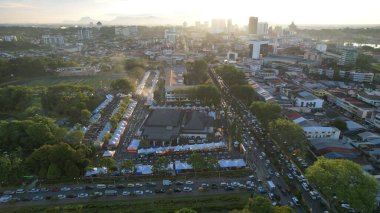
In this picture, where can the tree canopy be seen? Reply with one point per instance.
(261, 204)
(288, 134)
(266, 111)
(122, 85)
(245, 93)
(161, 164)
(338, 123)
(196, 72)
(346, 180)
(231, 75)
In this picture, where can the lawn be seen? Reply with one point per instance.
(376, 67)
(98, 81)
(204, 203)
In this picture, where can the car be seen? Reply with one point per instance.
(187, 189)
(295, 201)
(126, 193)
(25, 199)
(20, 191)
(61, 196)
(261, 157)
(34, 190)
(5, 198)
(205, 185)
(44, 189)
(89, 187)
(177, 190)
(98, 193)
(214, 186)
(261, 190)
(77, 188)
(71, 196)
(189, 182)
(291, 204)
(138, 185)
(138, 192)
(148, 191)
(345, 206)
(65, 189)
(55, 189)
(203, 189)
(277, 174)
(251, 177)
(179, 183)
(305, 186)
(228, 188)
(130, 185)
(82, 195)
(223, 184)
(290, 176)
(312, 195)
(37, 197)
(151, 184)
(111, 186)
(159, 191)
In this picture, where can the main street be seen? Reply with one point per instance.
(255, 155)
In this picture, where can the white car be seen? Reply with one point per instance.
(37, 197)
(65, 189)
(61, 197)
(82, 195)
(130, 185)
(290, 176)
(139, 192)
(187, 189)
(138, 185)
(189, 182)
(20, 191)
(98, 193)
(34, 190)
(5, 198)
(148, 191)
(126, 193)
(277, 174)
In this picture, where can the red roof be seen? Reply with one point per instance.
(293, 115)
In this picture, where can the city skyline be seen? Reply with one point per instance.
(176, 12)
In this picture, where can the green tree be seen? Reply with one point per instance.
(338, 123)
(122, 85)
(245, 93)
(260, 205)
(185, 210)
(85, 116)
(231, 75)
(144, 143)
(207, 94)
(161, 164)
(197, 161)
(346, 180)
(266, 111)
(283, 209)
(74, 136)
(288, 134)
(54, 172)
(197, 72)
(212, 163)
(129, 166)
(109, 163)
(71, 169)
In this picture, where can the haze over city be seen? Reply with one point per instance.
(178, 11)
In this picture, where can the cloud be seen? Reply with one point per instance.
(14, 5)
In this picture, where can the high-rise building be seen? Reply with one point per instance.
(170, 35)
(348, 56)
(229, 26)
(258, 49)
(85, 33)
(218, 25)
(252, 25)
(197, 24)
(262, 28)
(53, 40)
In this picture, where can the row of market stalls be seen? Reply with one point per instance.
(168, 149)
(178, 166)
(115, 140)
(103, 105)
(141, 86)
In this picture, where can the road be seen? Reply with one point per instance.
(254, 155)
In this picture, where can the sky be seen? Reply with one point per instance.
(302, 12)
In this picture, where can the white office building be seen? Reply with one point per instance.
(10, 38)
(218, 26)
(262, 28)
(53, 40)
(256, 49)
(308, 100)
(170, 35)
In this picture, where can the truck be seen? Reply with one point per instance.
(166, 182)
(271, 186)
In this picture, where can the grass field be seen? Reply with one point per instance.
(100, 80)
(376, 67)
(206, 203)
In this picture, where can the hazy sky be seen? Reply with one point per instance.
(272, 11)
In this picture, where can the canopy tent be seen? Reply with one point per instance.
(143, 169)
(134, 145)
(114, 142)
(96, 171)
(234, 163)
(166, 149)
